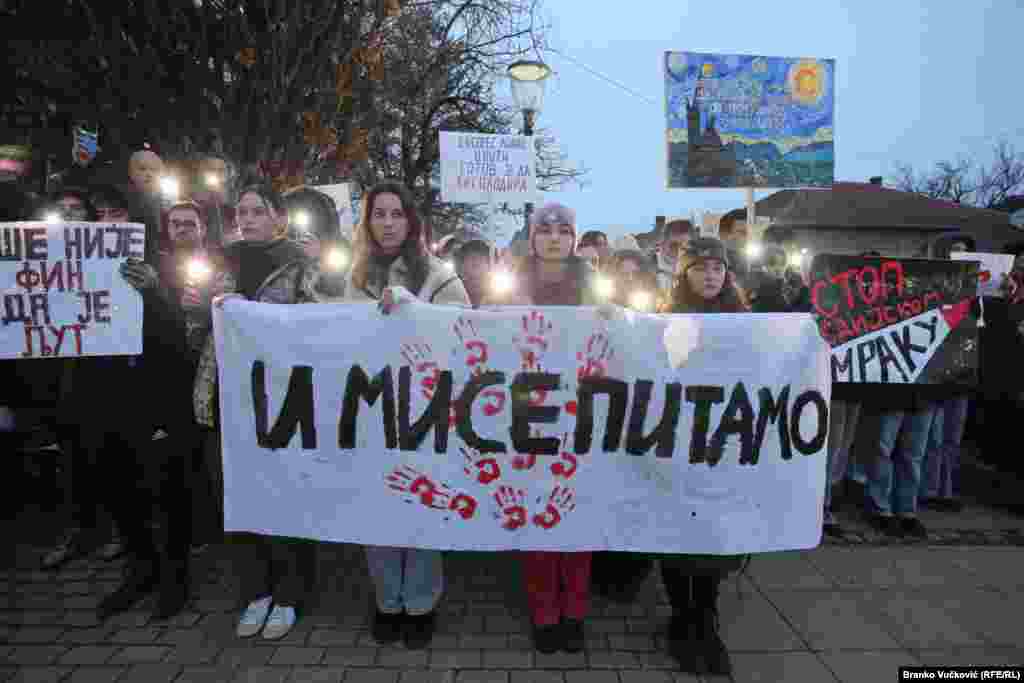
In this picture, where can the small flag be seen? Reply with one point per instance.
(85, 146)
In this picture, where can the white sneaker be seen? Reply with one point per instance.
(280, 622)
(254, 617)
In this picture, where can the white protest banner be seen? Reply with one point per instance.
(63, 293)
(341, 193)
(527, 428)
(992, 271)
(481, 168)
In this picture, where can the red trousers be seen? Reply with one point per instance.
(557, 585)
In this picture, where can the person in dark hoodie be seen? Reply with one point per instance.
(117, 433)
(768, 284)
(276, 573)
(704, 284)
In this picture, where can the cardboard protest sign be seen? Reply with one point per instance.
(526, 428)
(63, 294)
(480, 168)
(992, 272)
(897, 321)
(749, 121)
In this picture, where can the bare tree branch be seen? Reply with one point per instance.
(967, 181)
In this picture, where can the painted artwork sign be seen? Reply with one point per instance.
(479, 168)
(63, 294)
(897, 321)
(543, 428)
(749, 121)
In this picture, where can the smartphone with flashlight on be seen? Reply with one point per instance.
(198, 276)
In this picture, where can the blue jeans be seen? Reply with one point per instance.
(947, 433)
(855, 471)
(842, 428)
(406, 579)
(894, 474)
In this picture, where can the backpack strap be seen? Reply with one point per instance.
(441, 287)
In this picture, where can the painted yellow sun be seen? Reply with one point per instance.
(806, 81)
(708, 70)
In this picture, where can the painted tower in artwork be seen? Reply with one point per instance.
(707, 158)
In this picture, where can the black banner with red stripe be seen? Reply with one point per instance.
(897, 321)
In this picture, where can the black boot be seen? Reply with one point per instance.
(418, 630)
(681, 634)
(548, 638)
(681, 639)
(712, 656)
(173, 595)
(141, 578)
(387, 628)
(574, 637)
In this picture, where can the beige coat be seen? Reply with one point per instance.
(442, 286)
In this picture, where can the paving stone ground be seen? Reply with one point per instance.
(851, 610)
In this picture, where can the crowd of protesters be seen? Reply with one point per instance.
(257, 244)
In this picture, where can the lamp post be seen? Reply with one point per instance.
(528, 93)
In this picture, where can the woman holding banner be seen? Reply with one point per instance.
(276, 573)
(557, 584)
(704, 284)
(391, 264)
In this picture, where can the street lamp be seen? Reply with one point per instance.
(528, 93)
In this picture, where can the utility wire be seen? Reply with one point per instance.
(600, 75)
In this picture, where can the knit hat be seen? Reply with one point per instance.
(702, 249)
(552, 213)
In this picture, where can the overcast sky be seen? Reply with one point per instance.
(916, 81)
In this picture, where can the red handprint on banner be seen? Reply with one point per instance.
(482, 468)
(592, 361)
(426, 371)
(533, 342)
(526, 461)
(495, 401)
(475, 348)
(560, 503)
(594, 358)
(475, 352)
(417, 487)
(511, 507)
(567, 463)
(464, 505)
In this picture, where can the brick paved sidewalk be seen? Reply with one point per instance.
(831, 614)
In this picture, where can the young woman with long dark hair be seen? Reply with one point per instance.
(391, 264)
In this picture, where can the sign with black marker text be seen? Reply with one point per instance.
(63, 294)
(543, 428)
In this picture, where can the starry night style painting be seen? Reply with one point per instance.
(749, 121)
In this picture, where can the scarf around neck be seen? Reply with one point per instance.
(254, 262)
